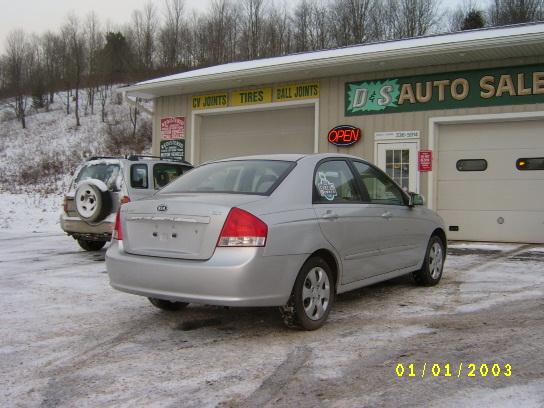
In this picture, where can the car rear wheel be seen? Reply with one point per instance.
(312, 296)
(91, 245)
(167, 304)
(433, 264)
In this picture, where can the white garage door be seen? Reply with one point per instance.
(482, 195)
(261, 132)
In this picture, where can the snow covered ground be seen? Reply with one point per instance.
(68, 339)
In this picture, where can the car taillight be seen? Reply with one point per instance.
(125, 199)
(65, 205)
(242, 229)
(118, 230)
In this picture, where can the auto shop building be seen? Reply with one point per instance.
(458, 118)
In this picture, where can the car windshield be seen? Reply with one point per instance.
(105, 172)
(235, 177)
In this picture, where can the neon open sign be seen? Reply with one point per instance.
(344, 135)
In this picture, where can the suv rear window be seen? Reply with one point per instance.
(165, 173)
(105, 172)
(234, 177)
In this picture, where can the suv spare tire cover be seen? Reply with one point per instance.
(92, 203)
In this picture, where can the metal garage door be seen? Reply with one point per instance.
(491, 200)
(261, 132)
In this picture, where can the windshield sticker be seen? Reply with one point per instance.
(326, 188)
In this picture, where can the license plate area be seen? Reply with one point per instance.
(166, 236)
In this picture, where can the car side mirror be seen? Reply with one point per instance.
(416, 199)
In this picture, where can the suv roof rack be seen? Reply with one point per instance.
(101, 157)
(136, 157)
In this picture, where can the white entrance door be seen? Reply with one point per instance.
(399, 161)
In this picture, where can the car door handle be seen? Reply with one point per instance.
(330, 216)
(387, 215)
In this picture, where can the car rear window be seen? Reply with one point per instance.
(165, 173)
(105, 172)
(234, 177)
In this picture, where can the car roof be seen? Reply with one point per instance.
(289, 157)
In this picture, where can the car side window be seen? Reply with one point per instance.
(381, 189)
(138, 176)
(334, 183)
(164, 173)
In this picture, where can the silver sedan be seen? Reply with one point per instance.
(278, 230)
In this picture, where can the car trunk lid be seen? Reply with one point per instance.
(183, 226)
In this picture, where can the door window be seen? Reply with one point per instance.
(397, 166)
(138, 176)
(164, 173)
(380, 189)
(334, 183)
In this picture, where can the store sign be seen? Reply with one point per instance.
(173, 128)
(425, 160)
(296, 91)
(344, 135)
(280, 93)
(489, 87)
(173, 150)
(218, 100)
(251, 96)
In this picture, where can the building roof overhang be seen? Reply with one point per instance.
(517, 41)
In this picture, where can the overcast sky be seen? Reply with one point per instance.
(41, 15)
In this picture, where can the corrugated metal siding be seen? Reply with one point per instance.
(331, 109)
(170, 106)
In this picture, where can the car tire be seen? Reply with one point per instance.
(92, 204)
(433, 264)
(167, 304)
(91, 245)
(314, 286)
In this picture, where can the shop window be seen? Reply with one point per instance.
(138, 176)
(532, 163)
(471, 165)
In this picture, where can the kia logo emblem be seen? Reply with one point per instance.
(162, 207)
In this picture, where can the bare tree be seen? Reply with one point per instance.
(17, 71)
(171, 34)
(410, 18)
(76, 51)
(94, 41)
(252, 23)
(143, 33)
(277, 32)
(503, 12)
(353, 22)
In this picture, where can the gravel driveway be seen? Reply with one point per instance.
(68, 339)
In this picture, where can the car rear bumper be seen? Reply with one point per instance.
(231, 277)
(76, 226)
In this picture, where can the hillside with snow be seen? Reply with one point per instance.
(36, 163)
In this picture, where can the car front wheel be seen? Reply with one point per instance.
(167, 304)
(433, 264)
(312, 296)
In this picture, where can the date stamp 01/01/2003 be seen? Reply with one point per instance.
(420, 370)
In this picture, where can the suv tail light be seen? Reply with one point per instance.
(242, 229)
(118, 230)
(65, 204)
(125, 199)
